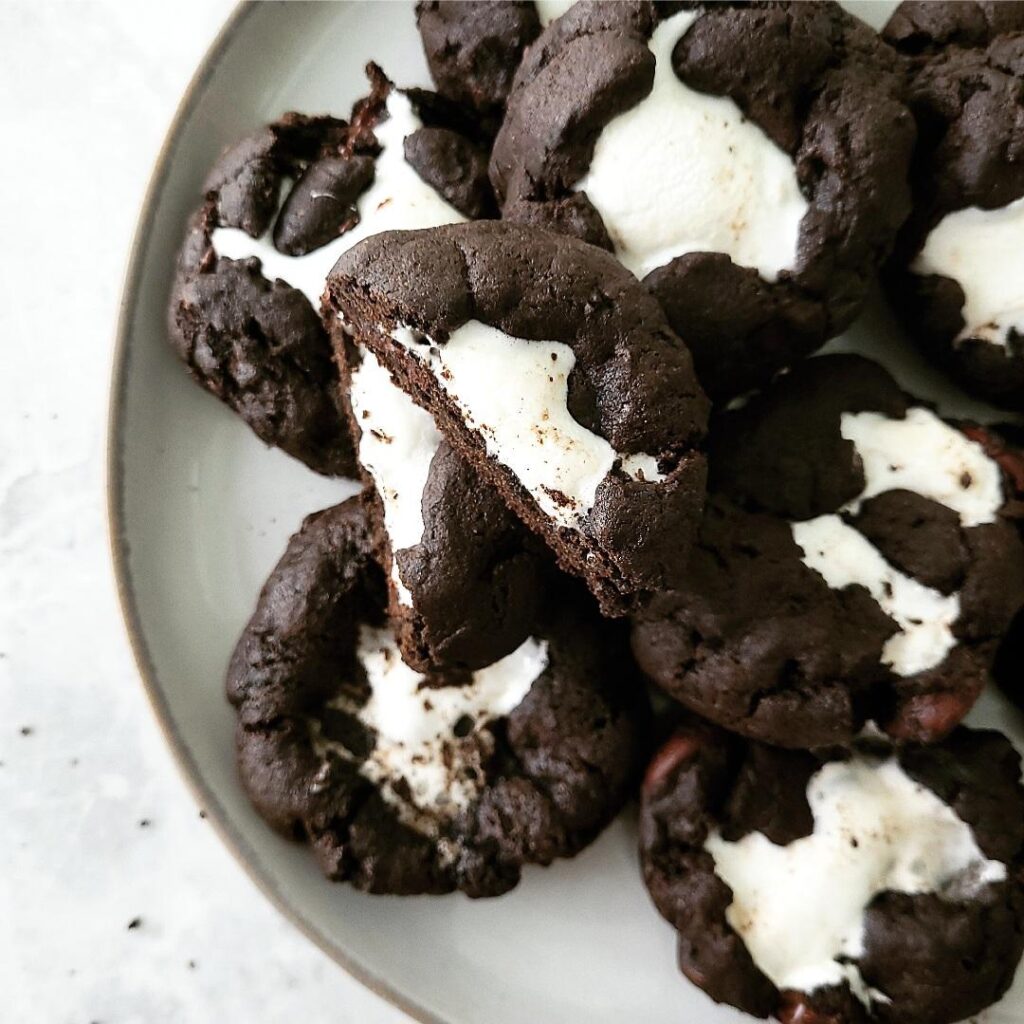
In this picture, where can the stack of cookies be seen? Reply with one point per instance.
(618, 534)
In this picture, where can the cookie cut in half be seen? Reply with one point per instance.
(747, 161)
(473, 47)
(859, 560)
(466, 579)
(556, 376)
(405, 782)
(873, 885)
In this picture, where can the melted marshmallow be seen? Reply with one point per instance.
(844, 557)
(919, 453)
(686, 172)
(397, 443)
(416, 742)
(514, 393)
(398, 199)
(982, 251)
(922, 453)
(800, 908)
(548, 10)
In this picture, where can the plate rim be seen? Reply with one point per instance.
(117, 540)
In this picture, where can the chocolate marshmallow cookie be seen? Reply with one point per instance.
(957, 274)
(858, 561)
(748, 162)
(409, 783)
(465, 578)
(872, 886)
(280, 207)
(556, 375)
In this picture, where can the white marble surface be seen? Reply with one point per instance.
(97, 829)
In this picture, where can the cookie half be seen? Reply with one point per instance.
(280, 207)
(556, 375)
(869, 886)
(859, 560)
(409, 783)
(748, 162)
(957, 274)
(466, 579)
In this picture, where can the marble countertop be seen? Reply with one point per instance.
(118, 905)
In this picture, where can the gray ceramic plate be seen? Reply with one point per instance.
(200, 511)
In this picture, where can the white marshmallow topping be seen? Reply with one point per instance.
(685, 172)
(513, 392)
(800, 908)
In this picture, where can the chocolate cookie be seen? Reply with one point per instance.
(858, 561)
(924, 27)
(405, 783)
(556, 376)
(473, 47)
(873, 886)
(957, 274)
(465, 578)
(244, 311)
(747, 161)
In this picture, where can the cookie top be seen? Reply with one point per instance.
(869, 886)
(408, 783)
(555, 374)
(957, 270)
(473, 47)
(758, 148)
(858, 561)
(466, 579)
(280, 207)
(925, 27)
